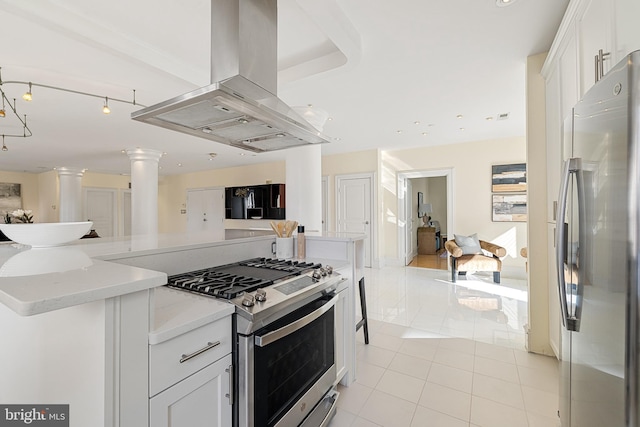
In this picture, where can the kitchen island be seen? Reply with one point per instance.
(80, 334)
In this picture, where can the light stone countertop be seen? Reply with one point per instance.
(35, 281)
(177, 312)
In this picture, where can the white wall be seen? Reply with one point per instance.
(172, 192)
(471, 163)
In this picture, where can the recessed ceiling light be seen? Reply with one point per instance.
(416, 122)
(330, 118)
(504, 3)
(424, 133)
(489, 118)
(337, 138)
(462, 129)
(179, 165)
(459, 116)
(399, 131)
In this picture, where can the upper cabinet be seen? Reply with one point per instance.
(255, 202)
(626, 28)
(595, 40)
(594, 35)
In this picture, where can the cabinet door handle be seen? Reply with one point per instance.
(209, 346)
(231, 379)
(602, 56)
(597, 68)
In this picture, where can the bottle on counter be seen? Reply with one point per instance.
(301, 243)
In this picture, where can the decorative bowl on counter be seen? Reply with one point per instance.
(46, 234)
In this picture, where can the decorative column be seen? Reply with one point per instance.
(304, 175)
(70, 194)
(144, 190)
(304, 186)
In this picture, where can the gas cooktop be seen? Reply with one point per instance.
(232, 280)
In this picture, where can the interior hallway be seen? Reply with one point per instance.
(437, 261)
(447, 355)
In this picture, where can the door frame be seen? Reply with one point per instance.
(373, 238)
(325, 203)
(402, 202)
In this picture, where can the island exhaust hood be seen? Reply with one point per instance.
(240, 108)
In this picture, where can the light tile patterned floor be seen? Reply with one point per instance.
(447, 355)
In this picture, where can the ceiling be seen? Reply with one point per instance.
(390, 75)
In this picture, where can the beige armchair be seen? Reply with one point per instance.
(461, 263)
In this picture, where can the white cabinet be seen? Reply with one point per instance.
(205, 210)
(201, 400)
(570, 70)
(341, 323)
(627, 30)
(190, 378)
(554, 140)
(595, 35)
(554, 298)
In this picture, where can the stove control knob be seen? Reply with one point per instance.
(248, 300)
(261, 295)
(329, 270)
(317, 275)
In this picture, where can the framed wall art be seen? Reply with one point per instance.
(509, 207)
(10, 197)
(509, 178)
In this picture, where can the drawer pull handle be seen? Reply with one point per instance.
(209, 346)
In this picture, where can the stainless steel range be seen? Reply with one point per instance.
(284, 338)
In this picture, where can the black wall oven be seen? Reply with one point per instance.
(288, 366)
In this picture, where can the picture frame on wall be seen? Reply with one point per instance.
(511, 178)
(10, 197)
(509, 207)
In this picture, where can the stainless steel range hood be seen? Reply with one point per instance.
(240, 108)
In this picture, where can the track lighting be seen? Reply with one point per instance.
(26, 132)
(106, 109)
(27, 96)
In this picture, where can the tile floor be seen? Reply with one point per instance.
(447, 355)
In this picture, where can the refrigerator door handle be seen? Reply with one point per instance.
(570, 166)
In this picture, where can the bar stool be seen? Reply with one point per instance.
(363, 307)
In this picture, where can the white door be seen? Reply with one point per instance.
(355, 210)
(100, 207)
(205, 210)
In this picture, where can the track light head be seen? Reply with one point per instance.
(27, 96)
(106, 109)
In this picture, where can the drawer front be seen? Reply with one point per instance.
(172, 361)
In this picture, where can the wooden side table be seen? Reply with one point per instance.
(426, 240)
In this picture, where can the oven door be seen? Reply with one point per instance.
(290, 366)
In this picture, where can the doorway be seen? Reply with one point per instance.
(436, 204)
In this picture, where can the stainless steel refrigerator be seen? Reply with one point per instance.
(597, 240)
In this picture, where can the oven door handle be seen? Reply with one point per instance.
(266, 339)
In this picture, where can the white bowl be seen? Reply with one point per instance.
(46, 234)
